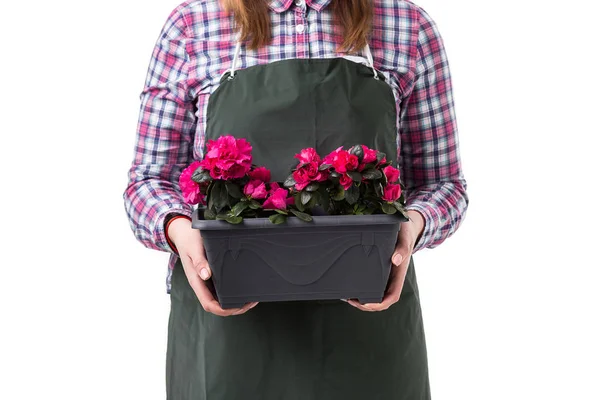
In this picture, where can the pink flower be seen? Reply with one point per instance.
(345, 181)
(260, 173)
(190, 189)
(277, 198)
(228, 157)
(256, 189)
(342, 161)
(391, 193)
(308, 155)
(307, 174)
(370, 155)
(391, 173)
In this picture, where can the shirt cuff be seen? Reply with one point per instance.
(432, 222)
(161, 228)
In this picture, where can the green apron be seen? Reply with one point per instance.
(301, 350)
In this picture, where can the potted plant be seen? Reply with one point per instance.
(327, 232)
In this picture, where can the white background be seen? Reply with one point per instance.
(510, 301)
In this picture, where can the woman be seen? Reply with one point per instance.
(294, 74)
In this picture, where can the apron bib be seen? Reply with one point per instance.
(302, 350)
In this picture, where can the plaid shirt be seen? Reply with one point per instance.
(196, 45)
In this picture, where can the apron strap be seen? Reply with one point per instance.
(367, 51)
(238, 46)
(236, 55)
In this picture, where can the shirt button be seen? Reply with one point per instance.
(300, 28)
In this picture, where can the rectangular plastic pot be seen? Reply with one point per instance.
(332, 257)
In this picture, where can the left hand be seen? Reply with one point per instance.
(410, 231)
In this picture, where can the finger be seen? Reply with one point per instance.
(201, 267)
(356, 304)
(207, 300)
(204, 269)
(394, 290)
(402, 250)
(203, 293)
(246, 308)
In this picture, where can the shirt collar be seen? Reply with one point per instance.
(281, 5)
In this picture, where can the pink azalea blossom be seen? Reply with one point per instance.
(342, 161)
(392, 174)
(277, 198)
(391, 193)
(370, 155)
(255, 189)
(190, 189)
(309, 173)
(308, 155)
(260, 173)
(345, 181)
(228, 158)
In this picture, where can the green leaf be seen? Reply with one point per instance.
(298, 202)
(372, 174)
(378, 189)
(352, 194)
(305, 197)
(323, 167)
(277, 219)
(239, 208)
(340, 193)
(282, 212)
(401, 209)
(290, 181)
(398, 206)
(303, 216)
(234, 190)
(334, 174)
(200, 175)
(388, 208)
(223, 216)
(313, 187)
(358, 152)
(356, 176)
(209, 214)
(380, 156)
(255, 205)
(234, 220)
(324, 195)
(219, 195)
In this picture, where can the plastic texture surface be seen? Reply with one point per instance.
(332, 257)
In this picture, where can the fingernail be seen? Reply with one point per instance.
(397, 259)
(204, 274)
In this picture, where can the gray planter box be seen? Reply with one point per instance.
(332, 257)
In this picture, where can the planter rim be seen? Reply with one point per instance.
(318, 220)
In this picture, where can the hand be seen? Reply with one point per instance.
(407, 237)
(190, 247)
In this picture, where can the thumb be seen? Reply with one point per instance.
(201, 267)
(399, 253)
(205, 271)
(397, 257)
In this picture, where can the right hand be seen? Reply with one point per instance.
(193, 257)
